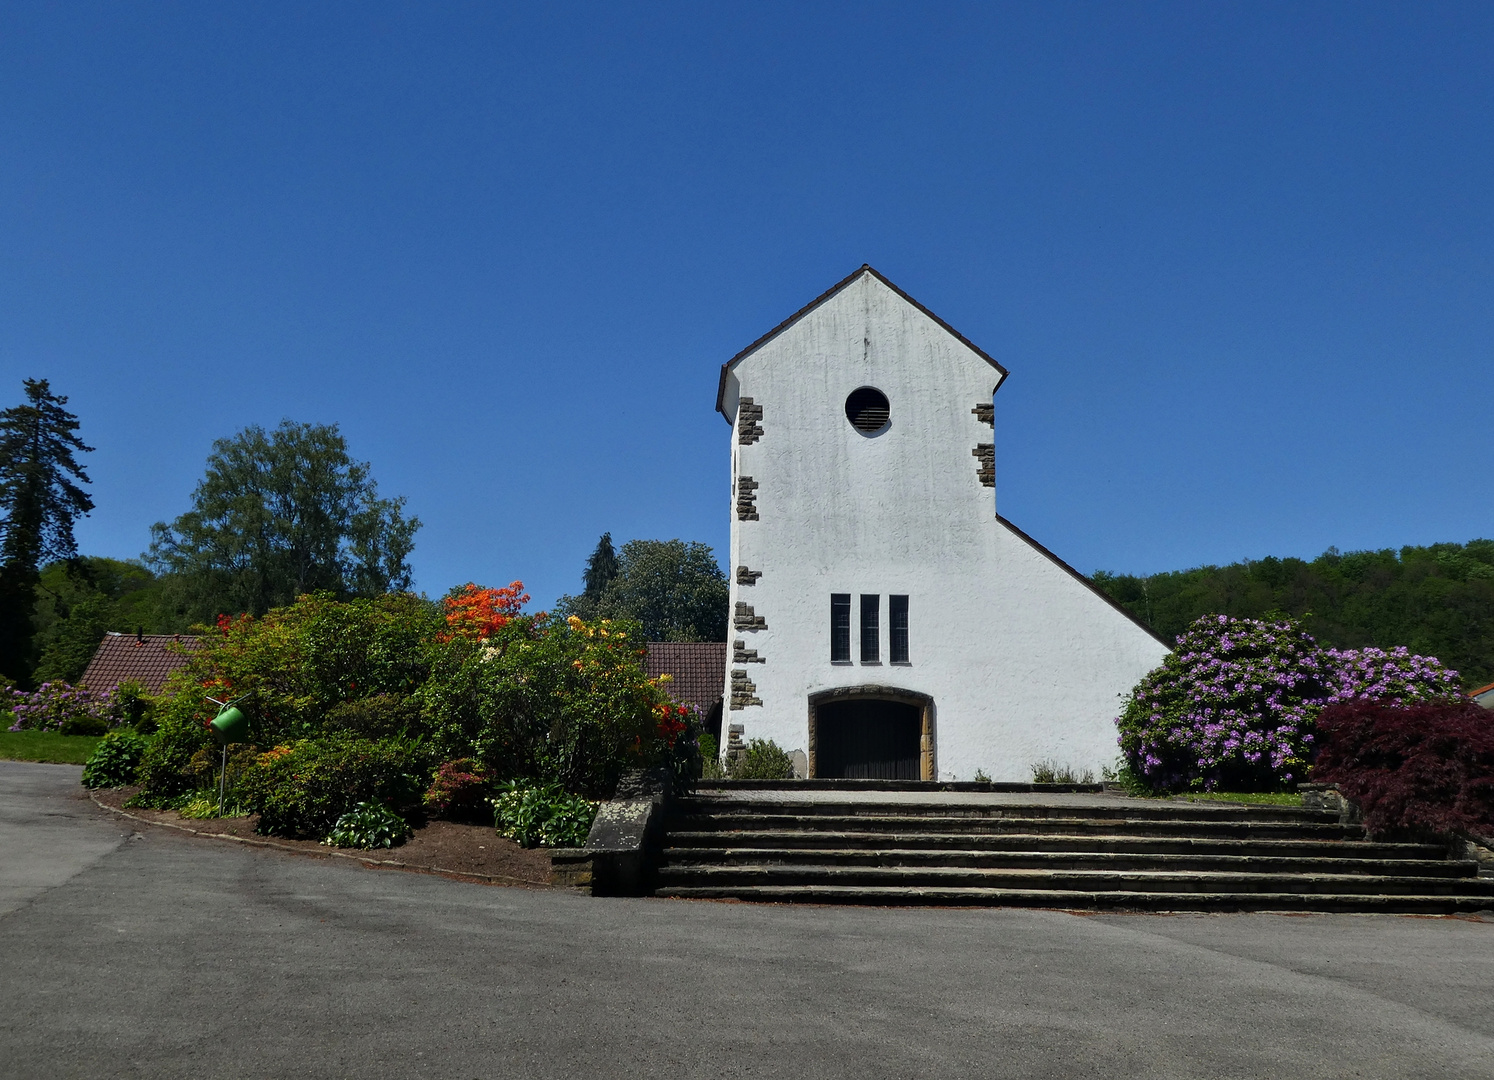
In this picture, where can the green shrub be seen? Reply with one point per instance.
(131, 705)
(710, 758)
(302, 788)
(762, 759)
(369, 825)
(542, 815)
(207, 763)
(381, 716)
(167, 771)
(115, 761)
(562, 701)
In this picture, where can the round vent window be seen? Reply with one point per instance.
(867, 410)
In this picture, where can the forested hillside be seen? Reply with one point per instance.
(1436, 600)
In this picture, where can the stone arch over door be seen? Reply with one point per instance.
(893, 712)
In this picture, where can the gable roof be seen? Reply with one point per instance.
(697, 668)
(1088, 584)
(144, 658)
(866, 268)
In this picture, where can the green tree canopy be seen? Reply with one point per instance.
(79, 600)
(280, 514)
(41, 498)
(673, 587)
(1436, 600)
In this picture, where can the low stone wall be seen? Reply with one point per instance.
(617, 859)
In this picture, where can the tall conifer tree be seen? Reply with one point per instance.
(601, 568)
(40, 497)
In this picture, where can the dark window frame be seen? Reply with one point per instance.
(840, 628)
(871, 628)
(897, 628)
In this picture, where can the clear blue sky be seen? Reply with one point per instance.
(1237, 257)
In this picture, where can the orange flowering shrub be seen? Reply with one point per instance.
(478, 614)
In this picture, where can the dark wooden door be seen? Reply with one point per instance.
(868, 739)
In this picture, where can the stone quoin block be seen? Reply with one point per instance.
(747, 498)
(743, 691)
(749, 422)
(744, 618)
(985, 460)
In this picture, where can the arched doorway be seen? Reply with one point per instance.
(871, 733)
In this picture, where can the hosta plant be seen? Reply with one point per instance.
(369, 825)
(544, 815)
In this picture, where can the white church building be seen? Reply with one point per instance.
(886, 620)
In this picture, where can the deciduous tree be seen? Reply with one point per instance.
(674, 588)
(279, 514)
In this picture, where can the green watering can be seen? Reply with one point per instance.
(230, 726)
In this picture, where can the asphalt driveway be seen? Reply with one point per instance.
(152, 953)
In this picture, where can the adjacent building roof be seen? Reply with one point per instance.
(1484, 696)
(698, 669)
(144, 658)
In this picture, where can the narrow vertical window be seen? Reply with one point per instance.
(871, 646)
(897, 622)
(840, 628)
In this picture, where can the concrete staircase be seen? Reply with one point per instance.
(1057, 851)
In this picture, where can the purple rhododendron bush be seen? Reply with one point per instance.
(1417, 767)
(1235, 706)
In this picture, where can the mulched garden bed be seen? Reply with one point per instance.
(447, 847)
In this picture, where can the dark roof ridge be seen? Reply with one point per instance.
(1101, 593)
(865, 268)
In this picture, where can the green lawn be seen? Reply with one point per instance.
(46, 746)
(1270, 798)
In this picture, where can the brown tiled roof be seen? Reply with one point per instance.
(698, 667)
(145, 659)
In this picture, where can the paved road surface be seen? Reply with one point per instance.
(165, 955)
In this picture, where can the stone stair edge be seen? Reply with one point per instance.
(822, 784)
(673, 856)
(1069, 900)
(714, 836)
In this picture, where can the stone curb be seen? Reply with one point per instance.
(392, 864)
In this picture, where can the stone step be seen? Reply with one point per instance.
(1073, 825)
(1139, 809)
(693, 857)
(1161, 845)
(672, 879)
(1111, 900)
(728, 788)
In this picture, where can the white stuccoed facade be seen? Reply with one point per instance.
(1023, 661)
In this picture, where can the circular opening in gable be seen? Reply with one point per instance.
(867, 410)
